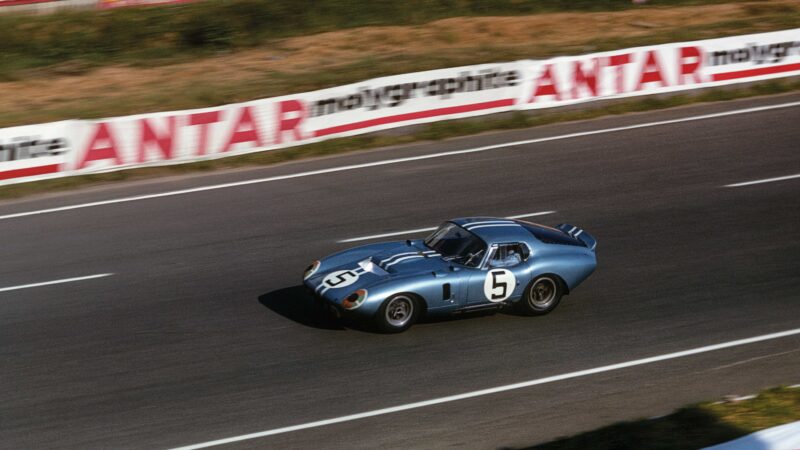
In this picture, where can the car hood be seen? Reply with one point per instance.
(392, 260)
(407, 258)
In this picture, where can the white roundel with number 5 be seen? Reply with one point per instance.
(499, 285)
(340, 279)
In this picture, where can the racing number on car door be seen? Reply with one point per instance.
(499, 285)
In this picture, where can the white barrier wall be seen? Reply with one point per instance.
(53, 6)
(662, 68)
(44, 6)
(85, 146)
(182, 136)
(37, 151)
(782, 437)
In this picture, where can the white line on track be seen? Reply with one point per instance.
(766, 180)
(495, 390)
(394, 233)
(398, 160)
(48, 283)
(420, 230)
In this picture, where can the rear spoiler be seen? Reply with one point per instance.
(578, 234)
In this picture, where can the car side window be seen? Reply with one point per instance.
(507, 255)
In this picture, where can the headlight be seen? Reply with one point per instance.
(355, 299)
(311, 270)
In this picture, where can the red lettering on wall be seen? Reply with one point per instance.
(651, 71)
(290, 115)
(619, 62)
(690, 61)
(245, 130)
(581, 78)
(546, 85)
(102, 146)
(148, 138)
(203, 119)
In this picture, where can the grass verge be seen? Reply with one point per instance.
(77, 85)
(145, 35)
(430, 132)
(692, 427)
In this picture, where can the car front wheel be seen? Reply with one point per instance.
(542, 295)
(398, 313)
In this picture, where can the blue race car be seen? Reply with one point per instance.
(466, 264)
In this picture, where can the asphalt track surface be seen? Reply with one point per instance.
(201, 333)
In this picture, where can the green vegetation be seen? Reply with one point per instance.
(155, 35)
(433, 131)
(692, 427)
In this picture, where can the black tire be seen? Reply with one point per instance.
(542, 295)
(398, 313)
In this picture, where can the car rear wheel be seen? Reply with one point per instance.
(398, 313)
(542, 295)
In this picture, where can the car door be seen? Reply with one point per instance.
(502, 276)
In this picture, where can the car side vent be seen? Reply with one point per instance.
(446, 291)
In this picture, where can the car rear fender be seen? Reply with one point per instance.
(571, 264)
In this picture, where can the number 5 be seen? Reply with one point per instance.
(341, 278)
(497, 285)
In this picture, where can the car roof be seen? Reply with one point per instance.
(495, 230)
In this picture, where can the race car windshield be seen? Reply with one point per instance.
(457, 244)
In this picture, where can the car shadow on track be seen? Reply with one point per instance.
(296, 304)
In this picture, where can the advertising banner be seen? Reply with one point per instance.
(85, 146)
(415, 98)
(35, 151)
(662, 68)
(181, 136)
(21, 2)
(110, 4)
